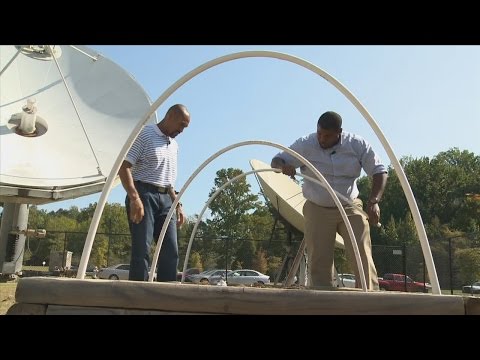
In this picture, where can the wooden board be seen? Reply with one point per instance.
(94, 296)
(285, 195)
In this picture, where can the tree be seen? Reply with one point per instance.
(440, 187)
(245, 253)
(274, 264)
(468, 262)
(231, 204)
(230, 212)
(260, 263)
(196, 261)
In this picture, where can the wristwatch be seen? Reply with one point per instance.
(374, 200)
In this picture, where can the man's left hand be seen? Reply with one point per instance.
(180, 216)
(373, 211)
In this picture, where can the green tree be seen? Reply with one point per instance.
(36, 249)
(231, 204)
(468, 261)
(440, 187)
(260, 263)
(245, 253)
(390, 233)
(230, 211)
(274, 264)
(237, 265)
(196, 261)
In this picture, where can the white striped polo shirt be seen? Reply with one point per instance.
(153, 156)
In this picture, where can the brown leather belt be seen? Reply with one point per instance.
(152, 187)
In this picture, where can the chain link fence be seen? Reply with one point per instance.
(111, 249)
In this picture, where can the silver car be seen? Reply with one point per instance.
(241, 277)
(115, 272)
(204, 277)
(346, 280)
(472, 289)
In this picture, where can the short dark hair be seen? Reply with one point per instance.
(330, 120)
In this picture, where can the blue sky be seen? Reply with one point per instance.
(426, 99)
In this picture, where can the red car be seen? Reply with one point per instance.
(397, 282)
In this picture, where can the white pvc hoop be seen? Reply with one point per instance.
(220, 189)
(289, 151)
(277, 55)
(205, 207)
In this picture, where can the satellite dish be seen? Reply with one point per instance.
(65, 113)
(85, 107)
(286, 196)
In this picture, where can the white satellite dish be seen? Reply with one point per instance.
(65, 113)
(86, 107)
(286, 196)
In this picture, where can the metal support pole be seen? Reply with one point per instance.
(64, 256)
(450, 264)
(226, 260)
(405, 266)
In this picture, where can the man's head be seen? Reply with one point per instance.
(176, 119)
(329, 128)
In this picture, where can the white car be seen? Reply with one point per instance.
(241, 277)
(346, 280)
(116, 272)
(204, 277)
(471, 289)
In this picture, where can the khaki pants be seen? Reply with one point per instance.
(321, 226)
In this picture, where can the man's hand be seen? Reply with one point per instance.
(180, 216)
(289, 170)
(278, 163)
(136, 210)
(373, 211)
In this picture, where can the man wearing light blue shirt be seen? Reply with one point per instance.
(340, 157)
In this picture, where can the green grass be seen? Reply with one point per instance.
(35, 268)
(7, 296)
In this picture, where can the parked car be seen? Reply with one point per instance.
(241, 277)
(188, 273)
(204, 277)
(345, 280)
(398, 282)
(116, 272)
(472, 289)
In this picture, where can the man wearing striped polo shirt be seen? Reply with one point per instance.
(148, 175)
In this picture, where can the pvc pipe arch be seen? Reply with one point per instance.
(205, 207)
(289, 151)
(281, 56)
(220, 189)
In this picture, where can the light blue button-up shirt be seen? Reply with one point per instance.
(341, 165)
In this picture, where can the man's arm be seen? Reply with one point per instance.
(126, 177)
(179, 210)
(378, 186)
(136, 206)
(279, 163)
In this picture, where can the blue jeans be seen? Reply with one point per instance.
(156, 206)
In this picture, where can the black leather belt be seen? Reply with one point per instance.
(152, 187)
